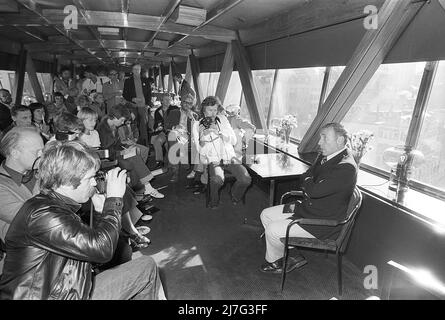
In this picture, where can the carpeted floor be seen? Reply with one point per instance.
(212, 254)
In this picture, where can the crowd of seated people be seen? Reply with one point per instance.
(210, 138)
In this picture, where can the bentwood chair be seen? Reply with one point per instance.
(338, 246)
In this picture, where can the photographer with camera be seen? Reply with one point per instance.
(50, 251)
(68, 128)
(216, 142)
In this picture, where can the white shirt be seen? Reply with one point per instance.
(329, 157)
(92, 140)
(88, 85)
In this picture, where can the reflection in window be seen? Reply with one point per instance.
(298, 93)
(431, 142)
(385, 108)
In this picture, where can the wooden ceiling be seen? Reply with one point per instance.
(147, 32)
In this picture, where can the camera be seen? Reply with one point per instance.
(208, 121)
(101, 180)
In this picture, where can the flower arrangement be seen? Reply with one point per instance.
(283, 127)
(359, 144)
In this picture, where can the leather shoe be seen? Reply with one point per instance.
(276, 267)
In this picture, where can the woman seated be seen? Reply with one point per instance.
(216, 141)
(38, 120)
(73, 128)
(129, 134)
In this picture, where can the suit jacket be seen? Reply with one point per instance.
(5, 117)
(327, 190)
(186, 89)
(130, 91)
(160, 119)
(12, 197)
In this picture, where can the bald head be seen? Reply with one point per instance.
(21, 147)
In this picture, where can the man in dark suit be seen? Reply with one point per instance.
(184, 87)
(5, 113)
(327, 187)
(138, 91)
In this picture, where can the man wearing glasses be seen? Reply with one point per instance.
(113, 90)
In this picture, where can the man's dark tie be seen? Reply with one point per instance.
(323, 160)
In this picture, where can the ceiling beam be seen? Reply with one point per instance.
(168, 12)
(221, 8)
(37, 10)
(118, 20)
(308, 16)
(109, 44)
(82, 10)
(32, 34)
(125, 9)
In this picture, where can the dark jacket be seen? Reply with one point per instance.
(160, 119)
(327, 191)
(5, 117)
(108, 140)
(50, 250)
(130, 92)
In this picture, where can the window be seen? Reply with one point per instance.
(209, 82)
(333, 78)
(233, 95)
(385, 108)
(298, 93)
(431, 141)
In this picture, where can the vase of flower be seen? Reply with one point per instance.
(283, 128)
(359, 144)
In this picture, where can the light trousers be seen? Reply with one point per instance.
(275, 223)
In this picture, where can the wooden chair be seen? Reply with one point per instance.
(338, 245)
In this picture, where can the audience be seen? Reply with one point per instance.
(113, 90)
(98, 105)
(184, 87)
(129, 134)
(46, 236)
(64, 83)
(38, 120)
(127, 157)
(327, 187)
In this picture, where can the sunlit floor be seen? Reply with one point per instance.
(211, 254)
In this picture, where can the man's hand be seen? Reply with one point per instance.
(116, 182)
(98, 202)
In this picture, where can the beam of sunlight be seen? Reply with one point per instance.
(423, 277)
(179, 257)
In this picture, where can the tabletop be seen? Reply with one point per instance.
(276, 165)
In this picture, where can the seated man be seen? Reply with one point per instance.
(327, 187)
(216, 141)
(21, 147)
(50, 251)
(179, 125)
(21, 117)
(159, 137)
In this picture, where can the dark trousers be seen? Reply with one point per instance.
(137, 169)
(240, 173)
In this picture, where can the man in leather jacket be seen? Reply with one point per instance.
(50, 251)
